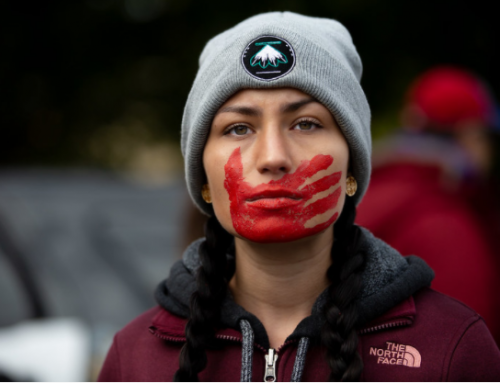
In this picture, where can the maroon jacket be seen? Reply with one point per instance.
(428, 337)
(407, 332)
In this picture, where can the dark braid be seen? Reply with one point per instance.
(338, 333)
(206, 302)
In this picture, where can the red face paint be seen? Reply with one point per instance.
(278, 210)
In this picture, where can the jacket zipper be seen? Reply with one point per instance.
(385, 326)
(271, 361)
(153, 330)
(271, 357)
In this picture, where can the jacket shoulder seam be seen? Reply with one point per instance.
(463, 305)
(466, 325)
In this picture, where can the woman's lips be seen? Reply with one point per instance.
(273, 199)
(273, 203)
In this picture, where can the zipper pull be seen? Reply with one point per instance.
(271, 358)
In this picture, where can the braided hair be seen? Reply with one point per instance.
(206, 301)
(338, 333)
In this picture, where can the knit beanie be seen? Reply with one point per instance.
(277, 50)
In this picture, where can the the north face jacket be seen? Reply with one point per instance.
(408, 332)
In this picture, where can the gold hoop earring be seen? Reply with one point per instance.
(351, 186)
(205, 194)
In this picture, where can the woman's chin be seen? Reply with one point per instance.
(265, 232)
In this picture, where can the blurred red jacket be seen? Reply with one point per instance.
(410, 206)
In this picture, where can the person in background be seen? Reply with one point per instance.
(431, 192)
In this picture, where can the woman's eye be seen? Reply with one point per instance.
(239, 130)
(306, 125)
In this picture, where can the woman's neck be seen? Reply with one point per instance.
(279, 283)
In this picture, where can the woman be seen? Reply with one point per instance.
(284, 286)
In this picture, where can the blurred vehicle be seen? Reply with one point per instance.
(81, 253)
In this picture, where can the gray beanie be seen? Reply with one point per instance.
(276, 50)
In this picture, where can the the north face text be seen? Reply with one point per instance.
(397, 354)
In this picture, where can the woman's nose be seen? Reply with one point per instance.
(273, 152)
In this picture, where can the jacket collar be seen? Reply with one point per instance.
(402, 314)
(172, 327)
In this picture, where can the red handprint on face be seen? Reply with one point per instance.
(282, 210)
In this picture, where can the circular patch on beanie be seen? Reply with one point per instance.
(268, 58)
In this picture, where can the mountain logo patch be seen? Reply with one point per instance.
(268, 58)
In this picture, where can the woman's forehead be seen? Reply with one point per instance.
(253, 101)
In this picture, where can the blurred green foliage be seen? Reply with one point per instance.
(98, 82)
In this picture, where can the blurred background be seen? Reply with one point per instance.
(93, 209)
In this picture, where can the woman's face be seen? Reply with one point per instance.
(276, 164)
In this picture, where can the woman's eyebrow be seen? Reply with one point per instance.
(246, 110)
(294, 106)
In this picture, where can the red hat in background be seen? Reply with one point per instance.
(450, 97)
